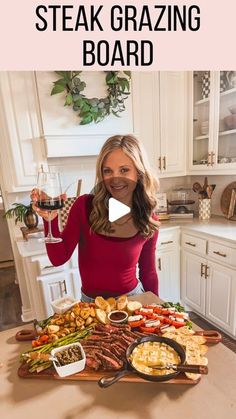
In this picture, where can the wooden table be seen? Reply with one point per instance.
(213, 398)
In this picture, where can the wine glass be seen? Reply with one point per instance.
(49, 199)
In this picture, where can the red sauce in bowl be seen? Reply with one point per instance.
(117, 316)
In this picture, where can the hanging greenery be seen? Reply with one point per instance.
(93, 109)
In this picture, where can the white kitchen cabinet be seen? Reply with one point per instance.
(220, 288)
(168, 265)
(160, 121)
(209, 287)
(22, 147)
(44, 282)
(212, 127)
(193, 284)
(173, 122)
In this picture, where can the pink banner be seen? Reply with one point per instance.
(100, 35)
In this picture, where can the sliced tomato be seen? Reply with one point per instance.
(158, 310)
(144, 329)
(181, 315)
(167, 320)
(148, 315)
(138, 323)
(177, 324)
(165, 312)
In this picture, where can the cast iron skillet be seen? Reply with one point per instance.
(199, 369)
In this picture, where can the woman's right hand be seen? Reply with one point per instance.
(43, 213)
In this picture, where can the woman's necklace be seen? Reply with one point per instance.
(121, 224)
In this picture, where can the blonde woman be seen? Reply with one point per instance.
(109, 252)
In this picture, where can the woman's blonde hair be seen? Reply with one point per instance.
(144, 195)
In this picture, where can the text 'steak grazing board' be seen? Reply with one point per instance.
(90, 375)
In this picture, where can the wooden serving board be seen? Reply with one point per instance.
(90, 375)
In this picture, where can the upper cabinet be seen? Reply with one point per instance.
(213, 122)
(160, 119)
(22, 149)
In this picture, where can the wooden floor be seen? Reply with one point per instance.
(10, 300)
(10, 307)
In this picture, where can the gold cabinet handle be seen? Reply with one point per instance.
(159, 264)
(159, 163)
(191, 244)
(206, 271)
(212, 158)
(168, 242)
(220, 254)
(164, 162)
(209, 159)
(202, 270)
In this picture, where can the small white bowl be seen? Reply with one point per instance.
(72, 368)
(61, 305)
(116, 313)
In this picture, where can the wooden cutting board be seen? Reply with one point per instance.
(225, 199)
(90, 375)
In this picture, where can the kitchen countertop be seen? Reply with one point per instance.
(217, 227)
(213, 397)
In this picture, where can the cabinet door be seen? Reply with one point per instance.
(23, 148)
(173, 121)
(202, 119)
(225, 126)
(220, 296)
(193, 281)
(168, 268)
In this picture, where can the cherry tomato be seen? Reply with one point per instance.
(36, 343)
(44, 339)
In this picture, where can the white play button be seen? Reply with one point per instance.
(116, 209)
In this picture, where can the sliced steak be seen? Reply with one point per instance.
(108, 363)
(93, 362)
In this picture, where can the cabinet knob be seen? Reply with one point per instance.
(159, 264)
(159, 163)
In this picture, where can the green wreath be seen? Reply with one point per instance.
(94, 109)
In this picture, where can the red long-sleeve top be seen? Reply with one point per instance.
(107, 264)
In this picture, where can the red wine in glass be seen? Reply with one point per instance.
(50, 204)
(50, 191)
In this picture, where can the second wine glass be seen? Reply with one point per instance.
(50, 191)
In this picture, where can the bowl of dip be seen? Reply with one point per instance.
(118, 316)
(61, 305)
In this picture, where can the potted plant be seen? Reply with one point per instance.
(23, 213)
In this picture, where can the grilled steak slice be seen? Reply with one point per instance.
(93, 362)
(108, 363)
(111, 355)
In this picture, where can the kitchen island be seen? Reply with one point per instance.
(213, 397)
